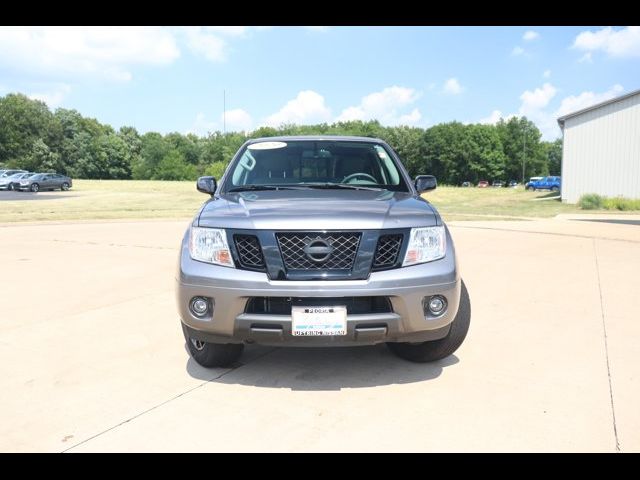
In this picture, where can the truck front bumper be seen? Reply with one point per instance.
(231, 289)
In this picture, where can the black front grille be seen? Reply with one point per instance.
(344, 248)
(249, 252)
(387, 251)
(282, 305)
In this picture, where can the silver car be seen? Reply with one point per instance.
(319, 241)
(10, 182)
(46, 181)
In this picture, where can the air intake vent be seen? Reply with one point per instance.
(387, 251)
(249, 252)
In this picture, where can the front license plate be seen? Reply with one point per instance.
(318, 321)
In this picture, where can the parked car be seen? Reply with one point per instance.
(8, 173)
(545, 183)
(45, 181)
(319, 241)
(466, 184)
(13, 181)
(513, 184)
(498, 183)
(483, 184)
(531, 180)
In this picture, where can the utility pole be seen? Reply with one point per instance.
(524, 150)
(224, 112)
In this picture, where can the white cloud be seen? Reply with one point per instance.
(201, 126)
(547, 74)
(517, 51)
(384, 106)
(535, 100)
(586, 58)
(492, 119)
(530, 35)
(452, 86)
(535, 106)
(623, 42)
(574, 103)
(71, 51)
(308, 107)
(209, 41)
(204, 43)
(237, 120)
(410, 118)
(53, 98)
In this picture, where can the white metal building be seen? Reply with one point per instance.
(601, 149)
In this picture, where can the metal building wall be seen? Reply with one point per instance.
(601, 151)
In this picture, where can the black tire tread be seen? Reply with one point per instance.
(439, 349)
(215, 354)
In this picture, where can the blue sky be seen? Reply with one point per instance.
(172, 78)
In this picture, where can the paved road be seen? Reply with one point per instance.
(6, 195)
(92, 356)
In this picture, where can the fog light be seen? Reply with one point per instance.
(199, 306)
(435, 305)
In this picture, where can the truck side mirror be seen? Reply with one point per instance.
(424, 183)
(206, 185)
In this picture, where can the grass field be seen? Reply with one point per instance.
(122, 199)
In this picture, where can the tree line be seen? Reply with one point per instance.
(34, 138)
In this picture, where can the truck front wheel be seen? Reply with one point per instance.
(439, 349)
(214, 354)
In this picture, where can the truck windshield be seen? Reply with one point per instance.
(315, 164)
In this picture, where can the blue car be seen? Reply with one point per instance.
(545, 183)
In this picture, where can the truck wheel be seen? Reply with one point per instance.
(439, 349)
(531, 189)
(214, 354)
(555, 189)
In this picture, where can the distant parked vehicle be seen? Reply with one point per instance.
(13, 181)
(513, 184)
(8, 173)
(498, 183)
(466, 184)
(531, 180)
(483, 184)
(45, 181)
(545, 183)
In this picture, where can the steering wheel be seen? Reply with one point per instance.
(359, 174)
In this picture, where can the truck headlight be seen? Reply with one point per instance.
(210, 245)
(425, 245)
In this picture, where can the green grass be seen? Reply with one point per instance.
(133, 199)
(108, 199)
(457, 203)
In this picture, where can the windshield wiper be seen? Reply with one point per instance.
(246, 188)
(329, 185)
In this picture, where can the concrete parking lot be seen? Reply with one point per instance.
(92, 356)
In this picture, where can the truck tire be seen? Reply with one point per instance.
(555, 189)
(533, 189)
(439, 349)
(214, 354)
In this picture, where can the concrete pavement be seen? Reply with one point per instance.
(92, 357)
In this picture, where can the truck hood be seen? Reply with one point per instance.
(315, 209)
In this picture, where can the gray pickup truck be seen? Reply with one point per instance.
(319, 241)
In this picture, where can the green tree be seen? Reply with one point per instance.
(22, 122)
(521, 145)
(174, 167)
(553, 152)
